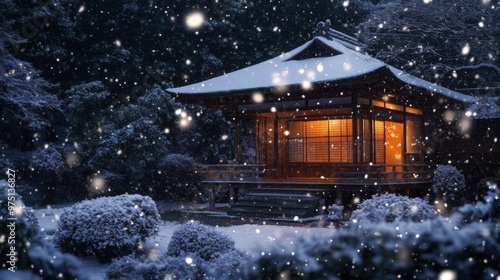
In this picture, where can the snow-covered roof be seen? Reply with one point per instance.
(485, 108)
(414, 81)
(288, 70)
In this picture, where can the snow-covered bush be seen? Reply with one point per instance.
(404, 250)
(195, 251)
(166, 267)
(32, 254)
(145, 268)
(196, 240)
(479, 190)
(486, 210)
(180, 177)
(391, 207)
(335, 212)
(466, 245)
(107, 227)
(448, 185)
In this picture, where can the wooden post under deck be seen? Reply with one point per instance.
(211, 195)
(338, 197)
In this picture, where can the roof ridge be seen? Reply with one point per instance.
(324, 29)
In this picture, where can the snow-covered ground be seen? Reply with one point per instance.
(252, 239)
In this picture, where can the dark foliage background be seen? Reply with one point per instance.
(89, 78)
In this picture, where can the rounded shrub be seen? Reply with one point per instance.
(486, 210)
(144, 268)
(107, 227)
(404, 250)
(391, 207)
(448, 185)
(335, 212)
(196, 240)
(195, 251)
(466, 245)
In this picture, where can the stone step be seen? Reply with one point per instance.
(273, 205)
(290, 190)
(266, 204)
(262, 213)
(278, 197)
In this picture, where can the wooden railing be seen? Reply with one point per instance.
(223, 175)
(362, 173)
(383, 173)
(233, 172)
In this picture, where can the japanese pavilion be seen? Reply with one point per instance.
(328, 118)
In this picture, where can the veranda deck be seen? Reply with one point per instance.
(347, 178)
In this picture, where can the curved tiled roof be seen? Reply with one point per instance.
(297, 67)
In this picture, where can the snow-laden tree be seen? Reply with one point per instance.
(26, 106)
(131, 149)
(203, 133)
(85, 108)
(47, 167)
(47, 30)
(178, 178)
(456, 43)
(129, 141)
(137, 45)
(158, 106)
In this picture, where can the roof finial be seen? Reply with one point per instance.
(324, 29)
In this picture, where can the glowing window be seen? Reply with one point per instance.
(320, 141)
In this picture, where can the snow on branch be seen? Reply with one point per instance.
(478, 66)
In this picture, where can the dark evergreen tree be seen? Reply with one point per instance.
(455, 43)
(26, 105)
(85, 110)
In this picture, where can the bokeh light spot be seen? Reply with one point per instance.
(195, 20)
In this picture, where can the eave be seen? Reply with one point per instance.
(283, 79)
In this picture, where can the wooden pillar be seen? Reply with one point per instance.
(338, 197)
(211, 195)
(355, 141)
(275, 146)
(373, 135)
(403, 141)
(232, 198)
(257, 142)
(237, 144)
